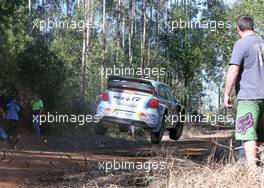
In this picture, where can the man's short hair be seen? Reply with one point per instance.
(245, 23)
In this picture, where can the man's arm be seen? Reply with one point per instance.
(231, 77)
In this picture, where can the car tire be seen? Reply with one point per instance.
(175, 133)
(100, 130)
(156, 137)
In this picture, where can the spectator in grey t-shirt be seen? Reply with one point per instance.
(245, 53)
(246, 72)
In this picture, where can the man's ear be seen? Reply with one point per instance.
(237, 29)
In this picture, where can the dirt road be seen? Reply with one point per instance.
(46, 166)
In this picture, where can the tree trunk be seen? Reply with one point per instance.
(150, 35)
(157, 24)
(123, 25)
(143, 35)
(118, 40)
(103, 46)
(85, 48)
(131, 33)
(29, 5)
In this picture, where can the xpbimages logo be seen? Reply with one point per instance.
(190, 118)
(80, 119)
(50, 23)
(146, 72)
(146, 166)
(212, 25)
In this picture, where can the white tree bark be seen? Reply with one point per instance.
(103, 46)
(143, 35)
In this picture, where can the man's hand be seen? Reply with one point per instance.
(228, 102)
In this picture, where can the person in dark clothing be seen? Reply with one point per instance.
(12, 116)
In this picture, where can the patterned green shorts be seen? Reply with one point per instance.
(250, 120)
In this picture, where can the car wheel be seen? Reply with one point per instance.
(175, 133)
(100, 130)
(157, 136)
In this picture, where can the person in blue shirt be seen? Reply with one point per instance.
(12, 116)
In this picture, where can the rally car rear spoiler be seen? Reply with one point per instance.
(123, 82)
